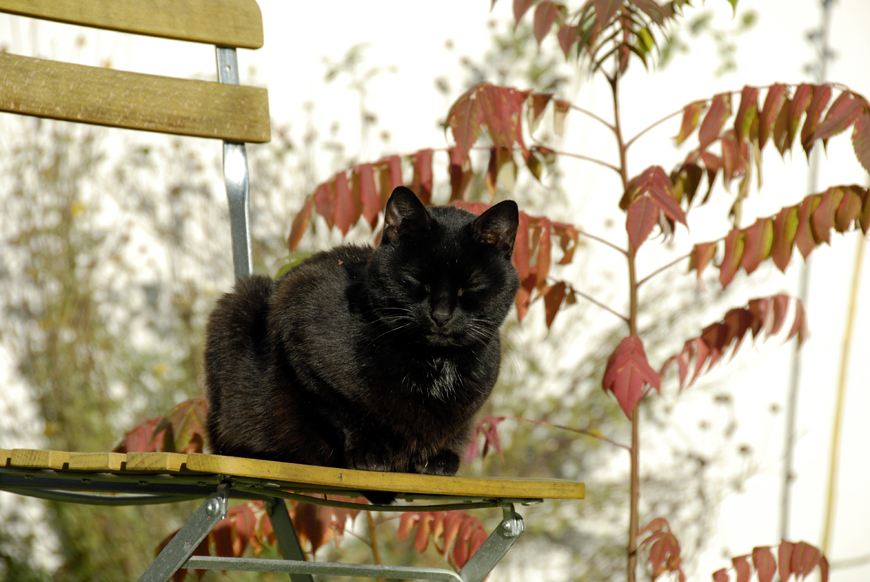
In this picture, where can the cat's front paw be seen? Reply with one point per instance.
(444, 463)
(368, 461)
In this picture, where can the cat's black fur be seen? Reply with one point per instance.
(365, 358)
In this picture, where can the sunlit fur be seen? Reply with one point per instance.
(374, 359)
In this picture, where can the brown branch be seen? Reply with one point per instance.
(374, 538)
(602, 241)
(660, 269)
(584, 432)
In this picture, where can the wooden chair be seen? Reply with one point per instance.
(235, 114)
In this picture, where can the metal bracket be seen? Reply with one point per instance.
(180, 547)
(495, 547)
(236, 176)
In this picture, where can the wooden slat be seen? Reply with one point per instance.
(39, 459)
(232, 23)
(99, 462)
(398, 482)
(163, 462)
(101, 96)
(5, 457)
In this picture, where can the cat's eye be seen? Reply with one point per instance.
(414, 283)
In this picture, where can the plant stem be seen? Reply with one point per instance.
(599, 304)
(602, 241)
(634, 495)
(584, 432)
(374, 538)
(660, 269)
(588, 159)
(831, 508)
(649, 127)
(593, 116)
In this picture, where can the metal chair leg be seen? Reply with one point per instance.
(179, 548)
(288, 541)
(495, 547)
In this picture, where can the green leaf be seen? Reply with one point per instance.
(733, 4)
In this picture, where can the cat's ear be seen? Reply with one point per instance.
(498, 226)
(404, 215)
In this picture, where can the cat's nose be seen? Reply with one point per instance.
(441, 314)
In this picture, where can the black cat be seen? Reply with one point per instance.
(363, 358)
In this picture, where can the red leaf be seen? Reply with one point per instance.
(861, 138)
(759, 241)
(701, 256)
(651, 9)
(520, 9)
(721, 575)
(538, 103)
(803, 235)
(773, 102)
(655, 182)
(422, 183)
(627, 372)
(502, 107)
(545, 16)
(642, 216)
(184, 426)
(821, 97)
(798, 106)
(522, 250)
(371, 202)
(784, 230)
(734, 245)
(406, 523)
(300, 224)
(466, 117)
(732, 163)
(780, 306)
(343, 203)
(804, 559)
(553, 297)
(823, 568)
(741, 566)
(567, 36)
(780, 128)
(784, 560)
(746, 113)
(765, 565)
(824, 215)
(714, 121)
(140, 439)
(849, 209)
(843, 113)
(605, 10)
(542, 263)
(324, 200)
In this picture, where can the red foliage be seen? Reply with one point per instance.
(806, 225)
(766, 314)
(800, 559)
(664, 549)
(456, 530)
(488, 428)
(627, 372)
(181, 430)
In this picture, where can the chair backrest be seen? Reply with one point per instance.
(223, 110)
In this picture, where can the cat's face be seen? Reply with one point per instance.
(443, 277)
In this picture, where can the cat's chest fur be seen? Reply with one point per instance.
(367, 358)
